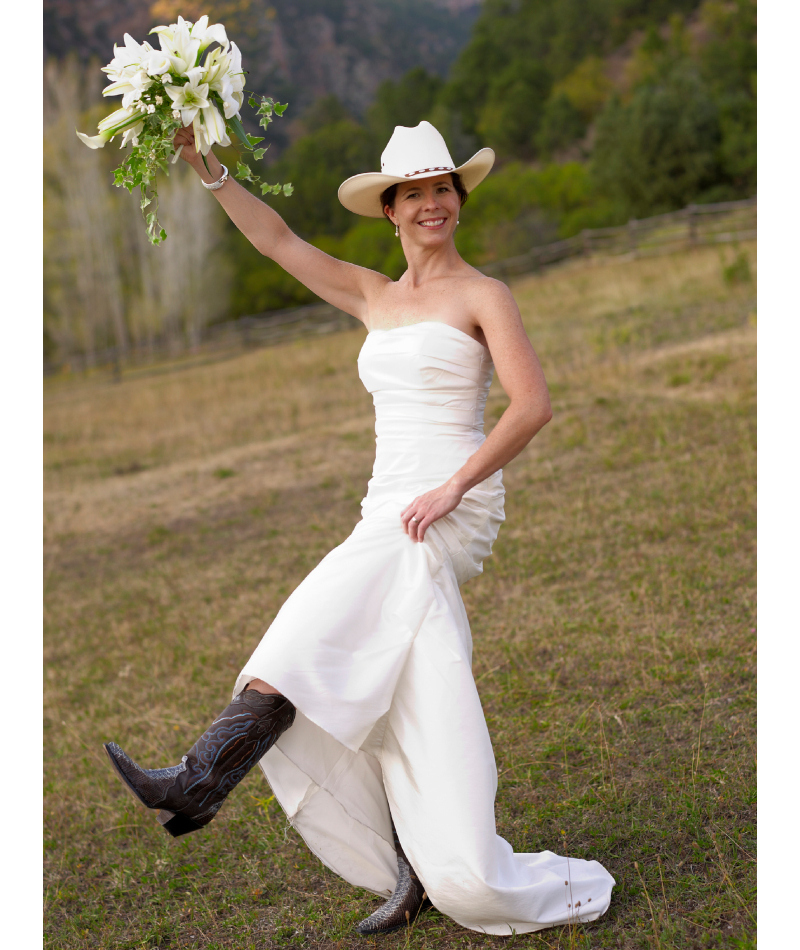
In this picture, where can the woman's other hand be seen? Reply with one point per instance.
(427, 508)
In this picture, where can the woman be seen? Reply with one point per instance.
(387, 770)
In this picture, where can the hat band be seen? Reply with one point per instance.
(439, 168)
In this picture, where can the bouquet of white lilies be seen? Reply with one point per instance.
(165, 89)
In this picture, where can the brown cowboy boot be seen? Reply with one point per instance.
(190, 794)
(403, 907)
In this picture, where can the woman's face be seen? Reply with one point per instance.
(426, 210)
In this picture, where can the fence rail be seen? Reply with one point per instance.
(693, 226)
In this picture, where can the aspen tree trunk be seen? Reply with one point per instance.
(105, 285)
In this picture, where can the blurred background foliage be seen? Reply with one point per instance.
(598, 110)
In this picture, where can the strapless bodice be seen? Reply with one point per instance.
(429, 382)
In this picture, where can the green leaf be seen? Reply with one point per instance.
(265, 188)
(288, 189)
(144, 202)
(266, 107)
(243, 172)
(259, 153)
(252, 102)
(236, 124)
(280, 109)
(253, 140)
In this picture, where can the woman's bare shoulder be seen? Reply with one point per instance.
(491, 299)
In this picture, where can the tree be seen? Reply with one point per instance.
(321, 161)
(561, 125)
(405, 102)
(728, 63)
(660, 151)
(511, 117)
(105, 285)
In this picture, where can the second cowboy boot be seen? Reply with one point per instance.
(190, 794)
(403, 907)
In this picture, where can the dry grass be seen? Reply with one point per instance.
(613, 625)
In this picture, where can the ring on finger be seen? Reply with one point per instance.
(415, 520)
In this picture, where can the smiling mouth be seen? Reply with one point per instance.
(432, 223)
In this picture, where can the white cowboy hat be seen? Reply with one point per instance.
(415, 153)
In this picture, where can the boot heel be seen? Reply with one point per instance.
(176, 825)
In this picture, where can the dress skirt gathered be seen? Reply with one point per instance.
(374, 649)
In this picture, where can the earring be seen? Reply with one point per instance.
(458, 221)
(396, 231)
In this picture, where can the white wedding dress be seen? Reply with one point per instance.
(374, 650)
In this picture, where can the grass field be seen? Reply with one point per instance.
(613, 626)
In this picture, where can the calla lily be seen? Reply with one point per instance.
(93, 141)
(189, 99)
(118, 121)
(110, 126)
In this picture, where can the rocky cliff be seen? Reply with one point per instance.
(298, 50)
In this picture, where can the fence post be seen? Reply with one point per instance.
(632, 235)
(246, 324)
(690, 212)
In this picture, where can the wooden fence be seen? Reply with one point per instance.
(692, 226)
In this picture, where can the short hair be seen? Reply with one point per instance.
(389, 194)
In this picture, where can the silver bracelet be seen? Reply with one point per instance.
(215, 185)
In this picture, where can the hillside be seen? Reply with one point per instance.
(613, 625)
(296, 50)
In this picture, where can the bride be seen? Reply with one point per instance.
(359, 703)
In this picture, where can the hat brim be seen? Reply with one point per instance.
(361, 194)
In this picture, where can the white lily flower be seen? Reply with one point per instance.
(231, 101)
(189, 99)
(177, 42)
(216, 69)
(132, 135)
(209, 128)
(157, 63)
(235, 71)
(168, 31)
(209, 34)
(127, 59)
(130, 87)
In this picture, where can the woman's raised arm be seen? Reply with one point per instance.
(346, 286)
